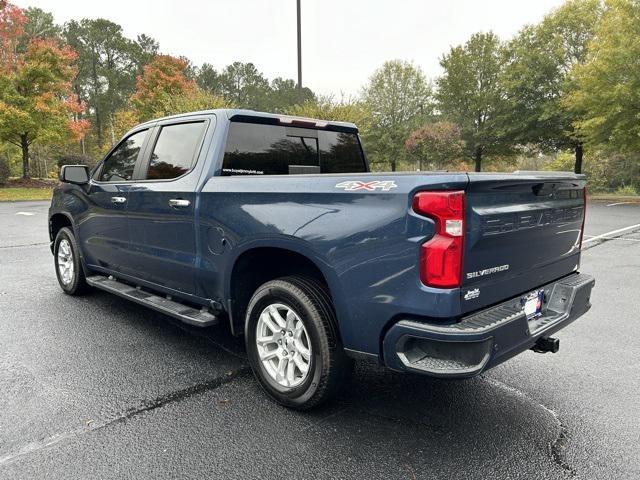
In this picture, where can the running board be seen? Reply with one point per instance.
(192, 316)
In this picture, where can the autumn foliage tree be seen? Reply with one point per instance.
(37, 103)
(12, 23)
(165, 89)
(436, 145)
(162, 80)
(108, 63)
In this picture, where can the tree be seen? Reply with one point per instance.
(605, 103)
(326, 108)
(537, 76)
(5, 170)
(244, 85)
(145, 50)
(284, 94)
(164, 89)
(108, 64)
(12, 22)
(190, 70)
(208, 79)
(38, 25)
(399, 98)
(436, 145)
(36, 100)
(161, 81)
(469, 95)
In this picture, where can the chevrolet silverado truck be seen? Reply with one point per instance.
(276, 226)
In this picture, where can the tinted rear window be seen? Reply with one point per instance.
(258, 149)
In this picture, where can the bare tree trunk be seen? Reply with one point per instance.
(478, 158)
(24, 145)
(97, 110)
(98, 128)
(112, 129)
(78, 116)
(578, 164)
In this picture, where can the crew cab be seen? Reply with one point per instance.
(276, 226)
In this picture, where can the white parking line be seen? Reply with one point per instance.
(613, 232)
(26, 214)
(619, 203)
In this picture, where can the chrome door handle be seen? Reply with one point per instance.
(179, 202)
(118, 199)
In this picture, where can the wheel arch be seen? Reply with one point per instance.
(258, 264)
(58, 221)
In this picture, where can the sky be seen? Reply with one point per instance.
(343, 42)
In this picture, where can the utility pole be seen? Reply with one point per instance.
(299, 54)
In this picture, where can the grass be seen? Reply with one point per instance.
(628, 190)
(15, 190)
(612, 197)
(16, 194)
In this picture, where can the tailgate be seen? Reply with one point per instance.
(522, 231)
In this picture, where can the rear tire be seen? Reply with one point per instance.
(292, 342)
(68, 264)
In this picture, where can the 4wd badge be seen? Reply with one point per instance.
(471, 294)
(354, 185)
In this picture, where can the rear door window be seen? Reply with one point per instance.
(175, 151)
(119, 165)
(258, 149)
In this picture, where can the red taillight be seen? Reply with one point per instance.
(441, 256)
(584, 214)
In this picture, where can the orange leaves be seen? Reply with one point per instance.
(43, 103)
(164, 75)
(164, 89)
(36, 97)
(78, 128)
(12, 21)
(40, 46)
(59, 61)
(161, 83)
(73, 104)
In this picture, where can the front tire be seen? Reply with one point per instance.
(292, 342)
(66, 255)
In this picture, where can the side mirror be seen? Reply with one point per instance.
(78, 174)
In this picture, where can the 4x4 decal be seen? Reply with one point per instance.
(353, 185)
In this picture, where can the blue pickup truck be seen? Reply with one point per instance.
(275, 226)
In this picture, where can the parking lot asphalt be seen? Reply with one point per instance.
(96, 387)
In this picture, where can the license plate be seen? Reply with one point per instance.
(532, 304)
